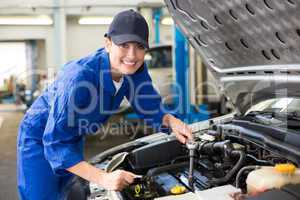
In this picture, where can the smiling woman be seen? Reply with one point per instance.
(89, 90)
(125, 58)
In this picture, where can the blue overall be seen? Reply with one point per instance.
(51, 134)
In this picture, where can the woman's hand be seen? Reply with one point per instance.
(116, 180)
(179, 128)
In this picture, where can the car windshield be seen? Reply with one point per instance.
(278, 105)
(159, 57)
(279, 112)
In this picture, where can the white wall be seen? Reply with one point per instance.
(166, 34)
(80, 39)
(21, 33)
(41, 60)
(75, 2)
(73, 7)
(83, 39)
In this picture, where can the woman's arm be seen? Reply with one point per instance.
(179, 128)
(115, 180)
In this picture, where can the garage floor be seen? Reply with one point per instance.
(9, 122)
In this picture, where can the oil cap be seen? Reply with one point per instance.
(287, 168)
(178, 190)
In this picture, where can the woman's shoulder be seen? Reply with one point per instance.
(75, 73)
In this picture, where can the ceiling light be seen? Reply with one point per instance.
(26, 20)
(167, 21)
(95, 20)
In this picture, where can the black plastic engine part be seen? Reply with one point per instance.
(233, 171)
(165, 168)
(155, 154)
(165, 182)
(227, 150)
(201, 181)
(140, 191)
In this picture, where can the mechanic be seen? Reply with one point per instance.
(50, 140)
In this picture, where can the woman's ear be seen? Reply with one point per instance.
(107, 44)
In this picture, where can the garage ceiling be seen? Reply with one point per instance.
(100, 7)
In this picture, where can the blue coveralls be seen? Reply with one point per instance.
(50, 135)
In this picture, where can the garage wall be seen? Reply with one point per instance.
(41, 60)
(83, 39)
(80, 39)
(166, 34)
(21, 33)
(73, 6)
(73, 2)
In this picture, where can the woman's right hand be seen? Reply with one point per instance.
(116, 180)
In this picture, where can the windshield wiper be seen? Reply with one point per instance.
(256, 112)
(262, 117)
(278, 115)
(290, 116)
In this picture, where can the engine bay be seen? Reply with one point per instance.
(222, 155)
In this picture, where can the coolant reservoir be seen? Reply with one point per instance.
(272, 177)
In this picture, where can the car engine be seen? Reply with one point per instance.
(231, 158)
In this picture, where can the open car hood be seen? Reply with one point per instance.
(251, 47)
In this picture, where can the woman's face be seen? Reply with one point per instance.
(125, 59)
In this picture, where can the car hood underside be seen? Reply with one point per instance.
(251, 47)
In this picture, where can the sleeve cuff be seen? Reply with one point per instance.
(60, 169)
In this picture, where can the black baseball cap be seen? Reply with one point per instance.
(129, 26)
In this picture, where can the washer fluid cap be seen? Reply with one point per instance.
(285, 168)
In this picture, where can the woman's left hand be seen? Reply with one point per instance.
(179, 128)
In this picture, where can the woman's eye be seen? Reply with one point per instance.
(140, 46)
(125, 45)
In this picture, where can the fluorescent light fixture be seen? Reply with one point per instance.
(167, 21)
(95, 20)
(26, 20)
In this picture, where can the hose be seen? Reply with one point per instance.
(257, 160)
(250, 167)
(229, 175)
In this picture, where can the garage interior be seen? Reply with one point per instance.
(38, 37)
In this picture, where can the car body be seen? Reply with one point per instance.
(252, 48)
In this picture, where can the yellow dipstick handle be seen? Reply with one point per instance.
(137, 190)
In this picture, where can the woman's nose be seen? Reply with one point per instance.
(131, 52)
